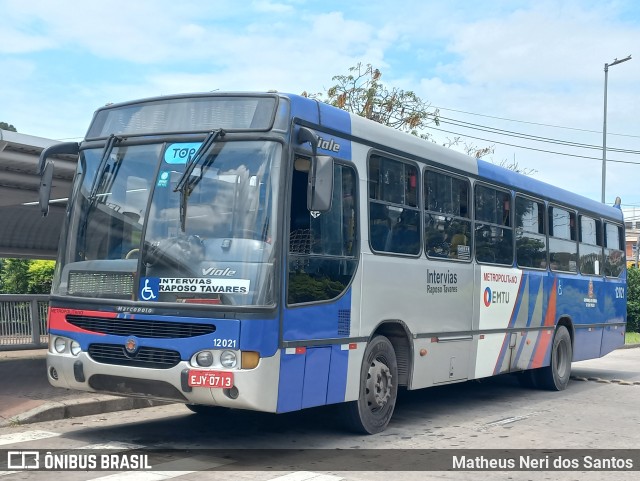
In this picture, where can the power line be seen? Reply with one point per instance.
(533, 148)
(510, 133)
(535, 123)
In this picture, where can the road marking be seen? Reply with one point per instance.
(23, 437)
(513, 419)
(168, 470)
(307, 476)
(113, 445)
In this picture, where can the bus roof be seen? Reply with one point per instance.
(400, 143)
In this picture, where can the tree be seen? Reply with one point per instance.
(40, 275)
(633, 299)
(362, 93)
(14, 276)
(6, 126)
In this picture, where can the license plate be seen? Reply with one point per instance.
(210, 379)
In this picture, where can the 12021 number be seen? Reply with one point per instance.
(225, 343)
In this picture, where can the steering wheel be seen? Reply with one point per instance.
(177, 251)
(132, 253)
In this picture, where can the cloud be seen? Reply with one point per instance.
(537, 61)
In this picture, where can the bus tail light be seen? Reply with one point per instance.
(250, 359)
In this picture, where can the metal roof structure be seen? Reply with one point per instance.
(23, 230)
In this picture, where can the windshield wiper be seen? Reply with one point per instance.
(186, 184)
(102, 166)
(95, 186)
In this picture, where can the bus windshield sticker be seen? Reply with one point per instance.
(149, 287)
(204, 285)
(180, 153)
(163, 179)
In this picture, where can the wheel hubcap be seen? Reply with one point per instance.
(379, 385)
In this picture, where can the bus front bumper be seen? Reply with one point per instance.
(255, 389)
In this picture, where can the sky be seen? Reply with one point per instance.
(501, 72)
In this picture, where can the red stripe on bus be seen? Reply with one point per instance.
(546, 335)
(58, 321)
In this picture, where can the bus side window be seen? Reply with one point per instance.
(447, 223)
(563, 249)
(614, 261)
(404, 236)
(531, 239)
(394, 219)
(493, 234)
(379, 226)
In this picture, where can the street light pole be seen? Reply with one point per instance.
(604, 125)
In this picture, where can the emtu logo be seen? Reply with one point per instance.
(495, 297)
(487, 297)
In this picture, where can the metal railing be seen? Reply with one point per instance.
(23, 321)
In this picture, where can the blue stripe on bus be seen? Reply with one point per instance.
(491, 172)
(338, 374)
(313, 378)
(316, 376)
(260, 335)
(535, 283)
(318, 321)
(319, 375)
(291, 382)
(500, 366)
(323, 114)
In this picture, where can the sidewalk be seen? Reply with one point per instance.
(26, 395)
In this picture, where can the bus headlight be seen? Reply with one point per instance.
(60, 344)
(75, 348)
(228, 359)
(204, 358)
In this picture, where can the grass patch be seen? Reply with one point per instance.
(632, 338)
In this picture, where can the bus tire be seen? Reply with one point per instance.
(555, 376)
(371, 413)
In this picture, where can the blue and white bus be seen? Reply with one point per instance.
(270, 252)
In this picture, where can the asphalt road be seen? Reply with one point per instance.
(599, 410)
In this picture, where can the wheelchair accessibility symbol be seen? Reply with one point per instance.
(149, 289)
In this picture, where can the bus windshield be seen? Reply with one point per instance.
(128, 239)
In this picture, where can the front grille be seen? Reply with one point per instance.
(135, 387)
(141, 327)
(149, 357)
(117, 285)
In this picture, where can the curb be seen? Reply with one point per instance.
(54, 411)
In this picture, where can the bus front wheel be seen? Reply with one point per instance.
(555, 377)
(371, 413)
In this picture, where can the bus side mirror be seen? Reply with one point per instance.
(320, 185)
(45, 170)
(44, 193)
(69, 148)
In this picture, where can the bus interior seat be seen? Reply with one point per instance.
(378, 236)
(403, 239)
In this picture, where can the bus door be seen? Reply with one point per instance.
(322, 260)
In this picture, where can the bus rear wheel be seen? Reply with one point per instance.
(371, 413)
(555, 377)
